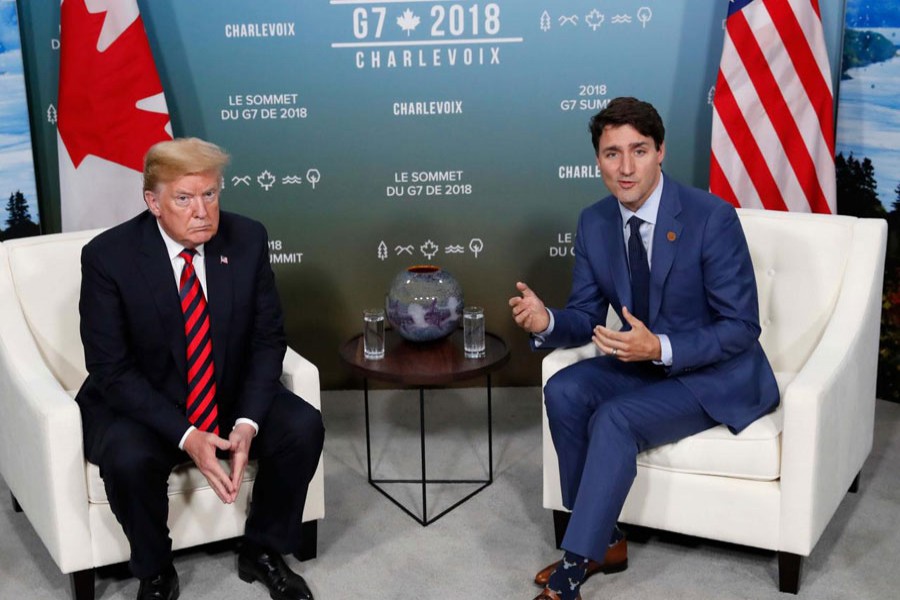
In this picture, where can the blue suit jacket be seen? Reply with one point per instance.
(702, 295)
(132, 328)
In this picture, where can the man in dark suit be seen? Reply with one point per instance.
(673, 263)
(173, 379)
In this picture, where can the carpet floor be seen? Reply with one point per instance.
(491, 545)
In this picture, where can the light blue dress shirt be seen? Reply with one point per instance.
(647, 213)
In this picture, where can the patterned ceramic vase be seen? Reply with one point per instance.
(424, 303)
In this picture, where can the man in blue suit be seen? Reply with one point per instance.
(184, 340)
(673, 263)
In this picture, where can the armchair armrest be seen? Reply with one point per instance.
(563, 357)
(302, 377)
(41, 448)
(553, 362)
(829, 408)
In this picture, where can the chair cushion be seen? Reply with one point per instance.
(184, 478)
(755, 453)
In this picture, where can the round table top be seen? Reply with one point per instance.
(425, 363)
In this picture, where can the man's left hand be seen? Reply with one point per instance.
(628, 346)
(241, 437)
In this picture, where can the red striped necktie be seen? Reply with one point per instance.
(202, 411)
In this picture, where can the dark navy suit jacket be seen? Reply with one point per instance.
(132, 328)
(702, 295)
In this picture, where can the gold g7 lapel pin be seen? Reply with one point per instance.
(671, 236)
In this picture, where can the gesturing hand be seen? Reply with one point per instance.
(528, 310)
(628, 346)
(201, 447)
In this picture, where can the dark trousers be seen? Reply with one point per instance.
(602, 413)
(135, 463)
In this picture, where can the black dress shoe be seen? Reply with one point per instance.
(269, 567)
(161, 587)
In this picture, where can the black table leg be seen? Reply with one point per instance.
(424, 481)
(422, 441)
(368, 440)
(490, 435)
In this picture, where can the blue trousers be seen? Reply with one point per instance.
(602, 413)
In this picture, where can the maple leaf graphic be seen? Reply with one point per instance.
(408, 21)
(99, 91)
(266, 180)
(429, 249)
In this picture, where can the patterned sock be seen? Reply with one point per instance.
(568, 576)
(616, 537)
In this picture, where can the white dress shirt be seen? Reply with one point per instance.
(173, 249)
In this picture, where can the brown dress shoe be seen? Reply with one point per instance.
(616, 560)
(548, 594)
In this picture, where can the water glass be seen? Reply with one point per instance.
(473, 332)
(373, 333)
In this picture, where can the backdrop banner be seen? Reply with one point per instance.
(371, 135)
(868, 164)
(18, 189)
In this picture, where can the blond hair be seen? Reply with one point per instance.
(167, 161)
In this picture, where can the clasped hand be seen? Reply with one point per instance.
(201, 446)
(634, 345)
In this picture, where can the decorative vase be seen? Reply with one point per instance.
(424, 303)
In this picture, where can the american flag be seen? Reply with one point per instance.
(773, 122)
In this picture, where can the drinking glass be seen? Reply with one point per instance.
(373, 333)
(473, 332)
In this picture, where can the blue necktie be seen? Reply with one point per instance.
(640, 272)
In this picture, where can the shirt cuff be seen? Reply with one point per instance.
(184, 437)
(237, 422)
(249, 422)
(540, 338)
(665, 347)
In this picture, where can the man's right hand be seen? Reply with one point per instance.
(529, 311)
(201, 447)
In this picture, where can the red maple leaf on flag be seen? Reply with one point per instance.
(99, 91)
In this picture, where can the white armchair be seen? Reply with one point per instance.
(777, 484)
(41, 454)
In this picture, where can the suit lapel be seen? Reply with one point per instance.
(219, 294)
(615, 250)
(666, 235)
(156, 268)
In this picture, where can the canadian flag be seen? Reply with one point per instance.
(111, 110)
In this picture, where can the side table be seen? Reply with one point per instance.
(423, 365)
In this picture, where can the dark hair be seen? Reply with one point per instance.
(628, 111)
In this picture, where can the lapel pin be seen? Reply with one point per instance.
(671, 236)
(223, 260)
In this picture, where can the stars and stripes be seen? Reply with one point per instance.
(202, 411)
(773, 121)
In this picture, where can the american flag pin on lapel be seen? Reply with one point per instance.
(223, 260)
